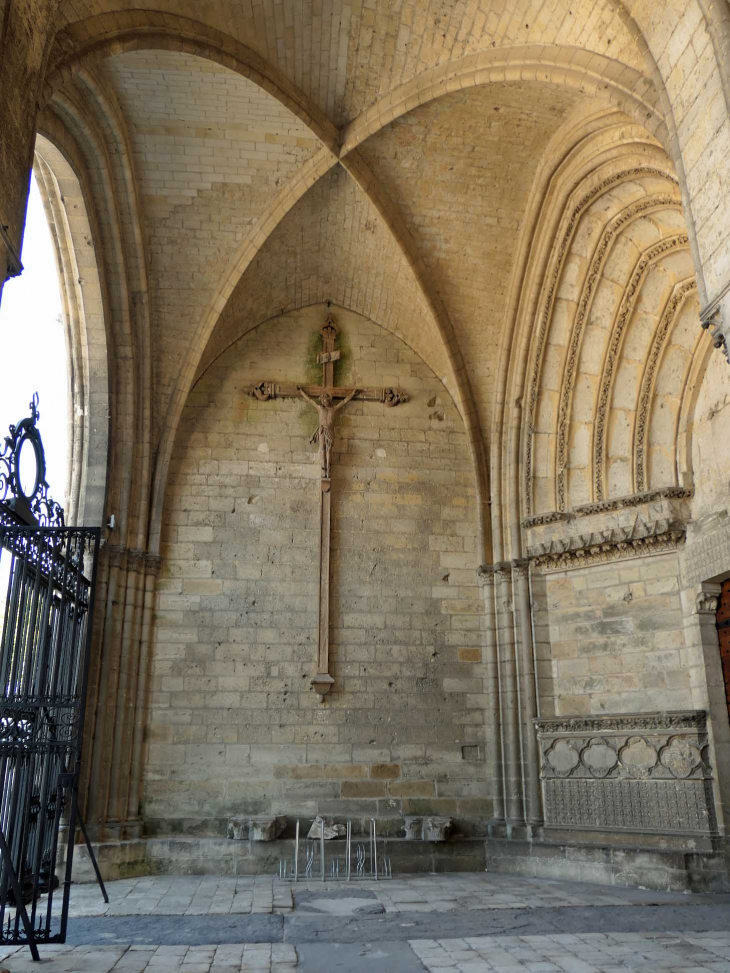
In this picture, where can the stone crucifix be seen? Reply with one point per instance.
(327, 399)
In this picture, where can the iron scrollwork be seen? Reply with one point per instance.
(29, 501)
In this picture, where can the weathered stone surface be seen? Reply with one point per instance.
(437, 828)
(256, 828)
(331, 830)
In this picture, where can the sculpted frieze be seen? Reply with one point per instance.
(580, 550)
(666, 746)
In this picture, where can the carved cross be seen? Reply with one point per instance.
(327, 399)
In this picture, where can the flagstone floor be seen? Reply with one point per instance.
(466, 923)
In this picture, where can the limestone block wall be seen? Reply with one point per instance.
(610, 636)
(233, 725)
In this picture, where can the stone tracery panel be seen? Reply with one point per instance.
(629, 772)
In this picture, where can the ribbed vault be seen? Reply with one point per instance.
(360, 52)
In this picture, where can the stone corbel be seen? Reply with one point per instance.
(719, 330)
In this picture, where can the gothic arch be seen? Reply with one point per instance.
(85, 323)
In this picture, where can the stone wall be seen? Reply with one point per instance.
(609, 621)
(234, 726)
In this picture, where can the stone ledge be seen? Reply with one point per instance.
(221, 856)
(672, 870)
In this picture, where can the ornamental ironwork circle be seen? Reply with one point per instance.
(23, 486)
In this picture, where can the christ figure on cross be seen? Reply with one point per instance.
(324, 434)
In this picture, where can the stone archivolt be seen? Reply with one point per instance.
(561, 252)
(571, 370)
(609, 366)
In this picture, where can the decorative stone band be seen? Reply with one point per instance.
(540, 520)
(627, 772)
(613, 544)
(605, 506)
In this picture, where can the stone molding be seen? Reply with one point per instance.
(674, 305)
(613, 544)
(627, 772)
(605, 506)
(547, 308)
(541, 520)
(618, 722)
(648, 258)
(634, 500)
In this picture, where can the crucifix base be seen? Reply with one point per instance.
(322, 683)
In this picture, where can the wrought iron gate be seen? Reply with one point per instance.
(47, 580)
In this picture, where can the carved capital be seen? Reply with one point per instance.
(116, 555)
(153, 563)
(719, 331)
(485, 575)
(520, 568)
(707, 599)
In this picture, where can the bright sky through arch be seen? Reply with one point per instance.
(34, 345)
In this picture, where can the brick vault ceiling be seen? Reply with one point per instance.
(214, 153)
(347, 54)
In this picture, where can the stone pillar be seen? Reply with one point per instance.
(528, 690)
(509, 693)
(708, 688)
(118, 692)
(493, 718)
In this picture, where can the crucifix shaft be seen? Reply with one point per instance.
(327, 399)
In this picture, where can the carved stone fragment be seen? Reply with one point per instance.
(331, 830)
(437, 828)
(256, 828)
(413, 828)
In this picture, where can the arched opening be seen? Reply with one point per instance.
(31, 321)
(80, 290)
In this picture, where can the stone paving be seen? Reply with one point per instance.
(589, 953)
(258, 957)
(385, 947)
(204, 894)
